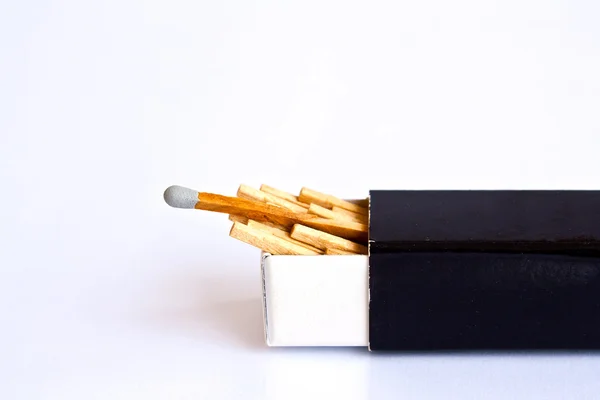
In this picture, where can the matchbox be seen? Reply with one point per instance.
(449, 270)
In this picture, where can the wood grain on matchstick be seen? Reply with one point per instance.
(325, 200)
(267, 242)
(337, 252)
(275, 226)
(324, 240)
(248, 192)
(355, 216)
(364, 203)
(350, 230)
(237, 218)
(327, 213)
(265, 226)
(284, 195)
(282, 234)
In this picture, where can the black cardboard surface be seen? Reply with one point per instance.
(495, 221)
(450, 301)
(432, 288)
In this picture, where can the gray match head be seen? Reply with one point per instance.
(181, 197)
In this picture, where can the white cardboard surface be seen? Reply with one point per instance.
(315, 300)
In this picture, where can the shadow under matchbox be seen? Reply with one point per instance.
(451, 271)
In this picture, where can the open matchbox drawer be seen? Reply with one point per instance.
(449, 270)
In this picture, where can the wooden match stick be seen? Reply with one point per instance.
(364, 203)
(281, 233)
(248, 192)
(350, 230)
(338, 252)
(323, 241)
(325, 200)
(181, 197)
(237, 218)
(284, 195)
(267, 242)
(327, 213)
(266, 226)
(275, 226)
(356, 217)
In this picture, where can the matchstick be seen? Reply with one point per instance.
(356, 217)
(364, 203)
(267, 242)
(181, 197)
(324, 240)
(326, 213)
(282, 234)
(325, 200)
(237, 218)
(284, 195)
(248, 192)
(350, 230)
(338, 252)
(266, 226)
(275, 226)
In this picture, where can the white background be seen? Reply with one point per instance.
(107, 293)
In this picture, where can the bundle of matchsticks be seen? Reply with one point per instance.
(315, 223)
(280, 223)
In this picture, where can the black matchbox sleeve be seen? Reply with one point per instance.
(484, 270)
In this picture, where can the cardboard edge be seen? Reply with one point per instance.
(369, 273)
(263, 261)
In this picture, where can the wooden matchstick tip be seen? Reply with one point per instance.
(180, 197)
